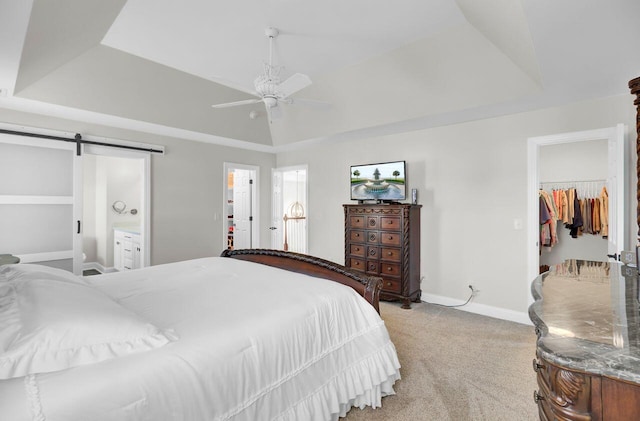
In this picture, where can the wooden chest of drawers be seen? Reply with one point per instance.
(384, 240)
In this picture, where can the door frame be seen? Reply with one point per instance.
(145, 211)
(255, 201)
(616, 145)
(276, 220)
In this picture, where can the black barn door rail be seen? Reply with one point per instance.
(78, 140)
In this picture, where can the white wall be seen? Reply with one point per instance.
(471, 180)
(472, 183)
(188, 189)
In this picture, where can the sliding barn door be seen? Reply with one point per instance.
(40, 206)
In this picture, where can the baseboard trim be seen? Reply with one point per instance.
(45, 257)
(97, 266)
(482, 309)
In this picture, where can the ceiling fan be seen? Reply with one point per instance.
(269, 89)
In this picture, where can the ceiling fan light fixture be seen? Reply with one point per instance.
(270, 101)
(268, 87)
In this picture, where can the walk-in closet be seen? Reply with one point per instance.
(574, 203)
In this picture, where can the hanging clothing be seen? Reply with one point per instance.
(586, 216)
(551, 231)
(545, 218)
(580, 215)
(604, 212)
(577, 221)
(596, 216)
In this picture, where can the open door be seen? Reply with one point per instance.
(615, 183)
(240, 210)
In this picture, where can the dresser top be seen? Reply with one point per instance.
(587, 314)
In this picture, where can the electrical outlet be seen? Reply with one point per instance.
(628, 257)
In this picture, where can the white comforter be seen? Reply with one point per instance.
(254, 343)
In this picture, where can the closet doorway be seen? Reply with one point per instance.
(240, 216)
(610, 173)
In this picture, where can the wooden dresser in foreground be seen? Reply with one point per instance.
(587, 319)
(384, 240)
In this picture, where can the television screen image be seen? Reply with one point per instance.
(382, 182)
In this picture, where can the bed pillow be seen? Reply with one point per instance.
(49, 324)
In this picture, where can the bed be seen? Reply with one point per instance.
(250, 335)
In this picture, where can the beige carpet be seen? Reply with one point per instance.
(457, 366)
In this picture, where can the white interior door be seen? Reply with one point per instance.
(240, 211)
(40, 201)
(615, 183)
(276, 210)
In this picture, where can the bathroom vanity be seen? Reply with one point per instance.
(127, 249)
(586, 316)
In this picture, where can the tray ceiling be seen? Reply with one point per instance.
(383, 66)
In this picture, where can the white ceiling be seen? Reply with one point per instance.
(384, 66)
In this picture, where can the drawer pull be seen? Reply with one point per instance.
(357, 264)
(390, 253)
(389, 284)
(536, 365)
(357, 235)
(390, 269)
(357, 248)
(391, 237)
(537, 397)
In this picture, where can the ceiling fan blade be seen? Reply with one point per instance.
(233, 104)
(293, 84)
(310, 102)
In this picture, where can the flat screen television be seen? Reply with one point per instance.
(382, 182)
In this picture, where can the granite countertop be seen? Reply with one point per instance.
(587, 316)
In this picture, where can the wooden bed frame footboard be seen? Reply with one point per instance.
(367, 286)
